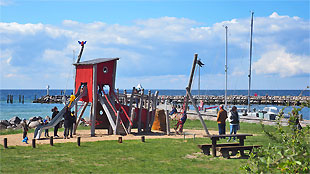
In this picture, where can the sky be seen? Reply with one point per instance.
(156, 42)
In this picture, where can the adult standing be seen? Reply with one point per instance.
(73, 120)
(55, 112)
(221, 120)
(234, 122)
(67, 123)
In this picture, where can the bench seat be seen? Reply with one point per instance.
(206, 147)
(234, 149)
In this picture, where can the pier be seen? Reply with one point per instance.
(240, 100)
(207, 99)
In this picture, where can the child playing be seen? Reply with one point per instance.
(45, 122)
(181, 124)
(25, 130)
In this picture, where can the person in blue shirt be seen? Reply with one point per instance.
(173, 111)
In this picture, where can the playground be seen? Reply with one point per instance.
(129, 133)
(158, 154)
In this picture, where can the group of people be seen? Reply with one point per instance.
(69, 121)
(221, 120)
(233, 121)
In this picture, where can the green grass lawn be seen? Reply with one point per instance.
(132, 156)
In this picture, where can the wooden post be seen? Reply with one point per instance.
(125, 97)
(8, 99)
(148, 112)
(154, 109)
(214, 146)
(117, 123)
(79, 141)
(167, 123)
(197, 111)
(19, 98)
(132, 116)
(130, 110)
(51, 141)
(143, 139)
(117, 93)
(140, 111)
(80, 117)
(191, 80)
(11, 98)
(33, 143)
(5, 143)
(94, 109)
(120, 139)
(23, 99)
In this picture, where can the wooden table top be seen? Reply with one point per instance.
(227, 135)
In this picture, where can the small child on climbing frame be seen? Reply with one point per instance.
(180, 124)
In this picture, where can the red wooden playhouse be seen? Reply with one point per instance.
(118, 113)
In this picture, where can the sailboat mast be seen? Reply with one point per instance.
(249, 105)
(199, 82)
(226, 28)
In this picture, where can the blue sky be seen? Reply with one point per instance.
(156, 41)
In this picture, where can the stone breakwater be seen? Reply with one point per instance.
(51, 99)
(15, 123)
(241, 100)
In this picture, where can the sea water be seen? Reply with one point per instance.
(29, 109)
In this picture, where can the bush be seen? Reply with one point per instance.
(289, 154)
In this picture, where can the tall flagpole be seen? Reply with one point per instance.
(226, 28)
(249, 104)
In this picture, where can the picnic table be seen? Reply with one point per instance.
(229, 146)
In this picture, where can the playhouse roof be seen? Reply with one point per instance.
(96, 61)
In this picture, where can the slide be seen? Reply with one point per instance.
(108, 110)
(59, 116)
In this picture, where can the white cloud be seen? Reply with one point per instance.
(279, 61)
(152, 48)
(275, 15)
(15, 28)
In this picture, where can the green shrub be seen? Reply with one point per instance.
(289, 154)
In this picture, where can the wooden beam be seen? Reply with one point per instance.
(115, 132)
(148, 111)
(132, 116)
(80, 117)
(125, 97)
(191, 80)
(154, 109)
(196, 109)
(130, 109)
(167, 123)
(140, 111)
(95, 99)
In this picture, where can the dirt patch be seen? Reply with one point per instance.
(101, 135)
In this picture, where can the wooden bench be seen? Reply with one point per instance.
(234, 149)
(206, 147)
